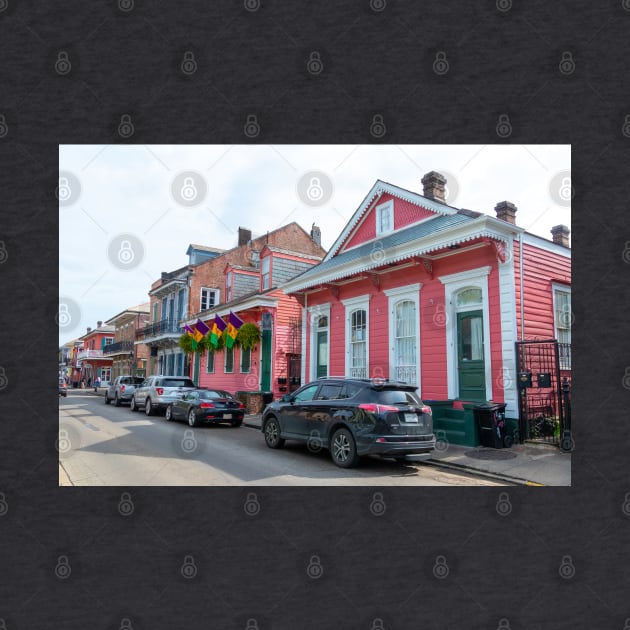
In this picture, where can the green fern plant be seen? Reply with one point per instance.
(248, 336)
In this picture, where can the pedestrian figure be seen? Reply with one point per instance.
(89, 382)
(97, 383)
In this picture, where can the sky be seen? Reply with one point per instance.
(129, 212)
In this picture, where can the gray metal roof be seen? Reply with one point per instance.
(393, 240)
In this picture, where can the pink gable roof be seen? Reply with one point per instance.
(405, 213)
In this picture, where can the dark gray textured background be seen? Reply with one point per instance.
(127, 569)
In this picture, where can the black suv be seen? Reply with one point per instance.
(352, 417)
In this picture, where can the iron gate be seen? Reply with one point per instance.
(542, 414)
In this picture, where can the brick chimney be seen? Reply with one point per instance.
(99, 324)
(560, 235)
(506, 211)
(434, 184)
(89, 328)
(244, 236)
(316, 234)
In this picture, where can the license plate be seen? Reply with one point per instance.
(227, 416)
(411, 417)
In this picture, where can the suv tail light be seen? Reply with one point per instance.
(122, 389)
(374, 408)
(159, 390)
(241, 405)
(206, 406)
(426, 409)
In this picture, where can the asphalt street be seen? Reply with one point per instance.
(104, 445)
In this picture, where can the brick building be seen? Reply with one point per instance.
(128, 357)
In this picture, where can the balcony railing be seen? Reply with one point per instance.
(163, 328)
(119, 347)
(90, 354)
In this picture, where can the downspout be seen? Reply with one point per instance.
(520, 269)
(304, 336)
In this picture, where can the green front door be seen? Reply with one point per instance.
(322, 353)
(470, 356)
(265, 361)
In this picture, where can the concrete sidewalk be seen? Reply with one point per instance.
(528, 464)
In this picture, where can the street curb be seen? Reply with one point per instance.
(454, 467)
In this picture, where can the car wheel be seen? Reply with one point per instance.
(116, 400)
(272, 433)
(132, 405)
(148, 407)
(192, 418)
(169, 413)
(107, 400)
(343, 449)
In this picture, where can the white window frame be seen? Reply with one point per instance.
(210, 291)
(352, 305)
(453, 283)
(314, 313)
(265, 274)
(229, 280)
(562, 288)
(388, 207)
(411, 293)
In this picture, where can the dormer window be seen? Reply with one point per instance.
(385, 217)
(265, 273)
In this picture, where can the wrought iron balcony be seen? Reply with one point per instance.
(119, 347)
(90, 354)
(164, 328)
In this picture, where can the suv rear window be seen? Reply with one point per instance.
(395, 396)
(176, 382)
(131, 380)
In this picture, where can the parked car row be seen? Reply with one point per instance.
(177, 397)
(348, 417)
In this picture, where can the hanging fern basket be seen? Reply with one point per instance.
(248, 336)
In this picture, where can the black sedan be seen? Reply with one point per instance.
(207, 405)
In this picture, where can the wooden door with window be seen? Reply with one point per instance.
(470, 356)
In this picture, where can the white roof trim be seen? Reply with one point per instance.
(376, 191)
(484, 226)
(224, 309)
(543, 243)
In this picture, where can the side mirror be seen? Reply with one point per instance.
(287, 398)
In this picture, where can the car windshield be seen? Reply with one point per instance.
(395, 397)
(213, 393)
(177, 382)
